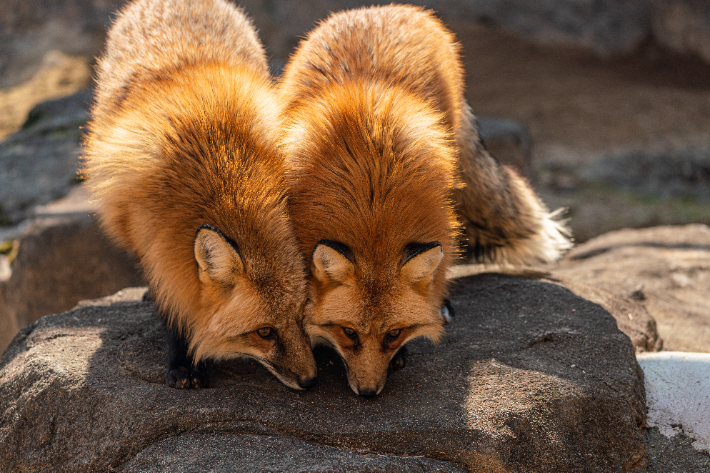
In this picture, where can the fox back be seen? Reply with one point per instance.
(182, 155)
(503, 220)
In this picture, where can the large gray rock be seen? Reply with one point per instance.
(682, 173)
(38, 164)
(62, 257)
(529, 378)
(631, 315)
(8, 325)
(61, 261)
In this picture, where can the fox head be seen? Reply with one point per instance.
(250, 311)
(368, 320)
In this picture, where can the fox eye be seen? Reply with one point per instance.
(393, 334)
(350, 333)
(267, 333)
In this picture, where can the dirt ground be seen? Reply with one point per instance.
(577, 106)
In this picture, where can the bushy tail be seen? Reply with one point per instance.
(503, 219)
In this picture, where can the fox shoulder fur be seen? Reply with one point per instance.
(182, 155)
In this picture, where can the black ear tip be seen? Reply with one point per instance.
(206, 226)
(415, 249)
(341, 248)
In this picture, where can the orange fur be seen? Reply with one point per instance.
(184, 133)
(380, 142)
(371, 165)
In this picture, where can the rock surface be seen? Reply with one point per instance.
(631, 316)
(529, 378)
(28, 29)
(38, 164)
(664, 455)
(61, 261)
(62, 258)
(664, 269)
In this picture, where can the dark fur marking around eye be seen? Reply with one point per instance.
(414, 249)
(337, 246)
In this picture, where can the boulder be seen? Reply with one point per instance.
(529, 378)
(683, 26)
(8, 325)
(509, 142)
(665, 269)
(61, 261)
(665, 454)
(62, 257)
(681, 173)
(631, 316)
(38, 164)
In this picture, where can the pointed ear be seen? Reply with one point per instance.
(218, 260)
(421, 261)
(332, 262)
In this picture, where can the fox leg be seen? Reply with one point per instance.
(182, 371)
(503, 219)
(399, 360)
(447, 312)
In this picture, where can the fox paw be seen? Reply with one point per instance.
(185, 378)
(447, 312)
(400, 359)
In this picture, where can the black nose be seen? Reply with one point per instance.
(308, 382)
(367, 393)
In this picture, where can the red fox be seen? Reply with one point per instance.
(382, 152)
(182, 155)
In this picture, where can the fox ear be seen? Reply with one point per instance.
(332, 262)
(218, 260)
(421, 261)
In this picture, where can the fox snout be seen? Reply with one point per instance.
(307, 383)
(367, 377)
(293, 362)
